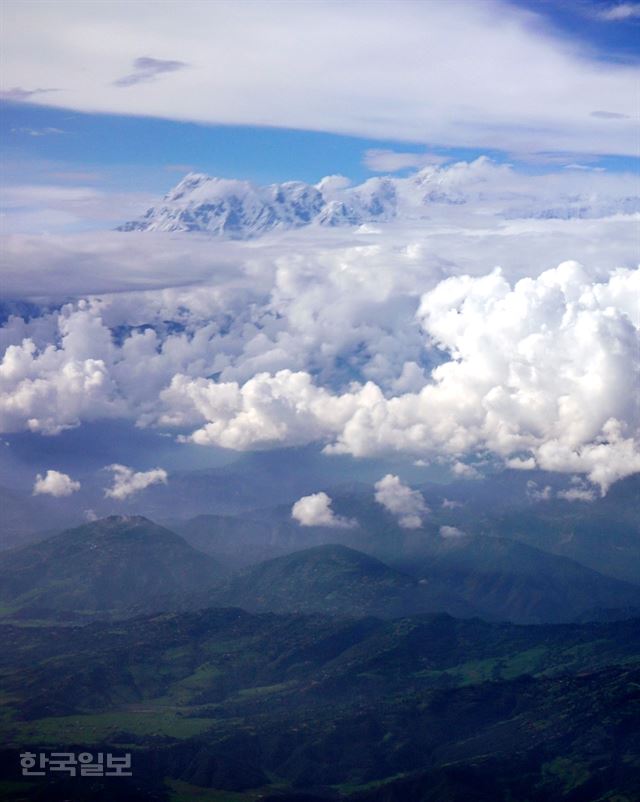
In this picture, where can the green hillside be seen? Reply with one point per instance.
(337, 580)
(339, 706)
(101, 566)
(505, 579)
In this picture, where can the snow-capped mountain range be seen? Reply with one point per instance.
(236, 209)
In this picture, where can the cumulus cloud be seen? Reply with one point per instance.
(126, 481)
(49, 389)
(470, 100)
(315, 510)
(55, 483)
(463, 471)
(146, 69)
(449, 504)
(579, 490)
(541, 374)
(577, 494)
(451, 532)
(400, 500)
(537, 493)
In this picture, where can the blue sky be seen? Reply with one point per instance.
(41, 144)
(160, 151)
(582, 21)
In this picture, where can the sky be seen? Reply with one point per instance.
(343, 339)
(275, 91)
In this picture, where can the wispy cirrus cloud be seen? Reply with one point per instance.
(609, 115)
(147, 69)
(47, 131)
(620, 12)
(18, 93)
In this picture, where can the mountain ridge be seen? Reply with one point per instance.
(106, 564)
(240, 209)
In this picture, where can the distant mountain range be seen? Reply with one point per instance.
(242, 210)
(105, 565)
(602, 534)
(336, 580)
(127, 565)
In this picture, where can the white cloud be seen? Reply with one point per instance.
(315, 510)
(464, 471)
(430, 81)
(577, 494)
(48, 389)
(620, 12)
(537, 493)
(126, 481)
(400, 500)
(47, 131)
(55, 483)
(449, 504)
(507, 218)
(541, 367)
(451, 532)
(55, 208)
(539, 373)
(578, 491)
(381, 160)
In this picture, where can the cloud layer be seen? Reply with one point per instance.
(395, 339)
(538, 373)
(542, 374)
(267, 64)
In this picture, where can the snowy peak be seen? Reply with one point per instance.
(189, 184)
(231, 208)
(236, 209)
